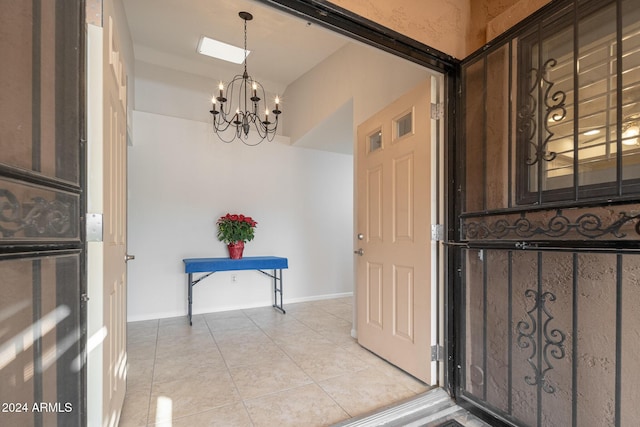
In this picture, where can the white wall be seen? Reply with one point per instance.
(368, 76)
(182, 178)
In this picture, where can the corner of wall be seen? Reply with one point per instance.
(512, 16)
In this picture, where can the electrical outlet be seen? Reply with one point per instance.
(234, 278)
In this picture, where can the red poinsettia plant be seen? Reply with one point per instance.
(234, 228)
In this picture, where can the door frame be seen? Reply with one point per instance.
(368, 32)
(105, 64)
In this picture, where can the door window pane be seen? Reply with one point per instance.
(631, 92)
(404, 125)
(597, 83)
(569, 138)
(375, 141)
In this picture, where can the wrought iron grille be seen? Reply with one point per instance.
(548, 220)
(551, 337)
(575, 107)
(552, 108)
(593, 223)
(37, 217)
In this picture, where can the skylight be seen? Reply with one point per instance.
(220, 50)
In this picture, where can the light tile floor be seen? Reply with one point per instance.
(257, 367)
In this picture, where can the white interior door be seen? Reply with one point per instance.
(107, 146)
(394, 211)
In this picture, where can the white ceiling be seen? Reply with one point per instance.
(283, 47)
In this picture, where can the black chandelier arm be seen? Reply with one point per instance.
(225, 97)
(266, 130)
(220, 124)
(220, 130)
(243, 98)
(247, 96)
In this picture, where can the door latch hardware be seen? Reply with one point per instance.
(94, 227)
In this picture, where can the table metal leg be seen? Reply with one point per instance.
(190, 286)
(277, 290)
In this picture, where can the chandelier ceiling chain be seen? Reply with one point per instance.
(245, 18)
(247, 104)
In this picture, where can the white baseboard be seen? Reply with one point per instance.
(318, 297)
(166, 315)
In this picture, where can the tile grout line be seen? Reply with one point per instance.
(313, 381)
(350, 415)
(153, 370)
(226, 364)
(317, 383)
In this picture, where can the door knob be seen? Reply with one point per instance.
(360, 236)
(128, 257)
(360, 252)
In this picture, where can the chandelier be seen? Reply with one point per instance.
(248, 106)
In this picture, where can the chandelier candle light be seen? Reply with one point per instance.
(248, 105)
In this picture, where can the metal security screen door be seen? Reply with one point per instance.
(42, 316)
(548, 223)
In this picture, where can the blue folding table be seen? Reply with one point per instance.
(259, 263)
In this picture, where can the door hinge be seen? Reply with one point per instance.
(94, 227)
(437, 353)
(437, 232)
(437, 111)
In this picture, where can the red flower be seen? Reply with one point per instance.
(235, 228)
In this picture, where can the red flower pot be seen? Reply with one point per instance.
(235, 250)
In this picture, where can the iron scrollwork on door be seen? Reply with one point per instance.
(587, 225)
(38, 218)
(552, 343)
(554, 111)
